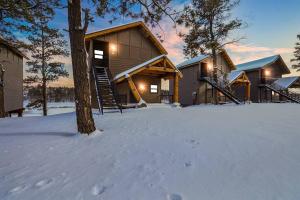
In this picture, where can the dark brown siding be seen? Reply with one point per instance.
(13, 79)
(188, 85)
(146, 95)
(191, 90)
(258, 94)
(133, 48)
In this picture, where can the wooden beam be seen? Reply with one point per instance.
(134, 90)
(160, 69)
(176, 89)
(248, 87)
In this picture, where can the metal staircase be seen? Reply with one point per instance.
(221, 87)
(106, 94)
(294, 97)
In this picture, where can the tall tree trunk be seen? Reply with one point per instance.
(215, 75)
(44, 88)
(44, 84)
(85, 121)
(2, 108)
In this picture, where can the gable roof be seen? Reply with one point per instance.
(138, 68)
(92, 35)
(286, 82)
(202, 57)
(261, 63)
(191, 61)
(11, 47)
(232, 76)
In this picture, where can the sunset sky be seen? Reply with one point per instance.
(272, 26)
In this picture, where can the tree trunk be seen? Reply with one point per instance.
(44, 84)
(85, 121)
(44, 87)
(2, 108)
(215, 75)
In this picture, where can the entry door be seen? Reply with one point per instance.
(101, 54)
(204, 70)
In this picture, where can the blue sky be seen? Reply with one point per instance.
(272, 29)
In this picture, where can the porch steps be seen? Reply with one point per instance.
(221, 88)
(106, 96)
(290, 96)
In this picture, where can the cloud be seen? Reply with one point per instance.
(241, 53)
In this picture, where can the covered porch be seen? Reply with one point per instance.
(151, 82)
(240, 83)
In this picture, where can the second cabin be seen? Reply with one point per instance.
(197, 85)
(129, 66)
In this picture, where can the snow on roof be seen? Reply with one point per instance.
(132, 69)
(256, 64)
(191, 61)
(232, 76)
(286, 82)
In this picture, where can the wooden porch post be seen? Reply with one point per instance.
(176, 89)
(134, 90)
(248, 88)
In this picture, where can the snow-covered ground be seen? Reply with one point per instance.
(53, 109)
(159, 153)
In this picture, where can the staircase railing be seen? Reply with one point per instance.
(114, 89)
(295, 97)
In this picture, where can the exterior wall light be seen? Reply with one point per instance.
(142, 87)
(113, 48)
(209, 67)
(267, 72)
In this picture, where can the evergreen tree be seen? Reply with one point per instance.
(209, 26)
(151, 11)
(296, 60)
(14, 14)
(46, 44)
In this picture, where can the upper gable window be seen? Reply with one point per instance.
(98, 54)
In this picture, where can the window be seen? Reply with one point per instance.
(98, 54)
(153, 88)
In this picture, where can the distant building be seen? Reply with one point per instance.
(197, 85)
(267, 81)
(12, 60)
(130, 66)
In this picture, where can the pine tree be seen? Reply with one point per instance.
(151, 11)
(296, 60)
(46, 45)
(14, 14)
(209, 26)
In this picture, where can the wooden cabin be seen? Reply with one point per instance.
(195, 87)
(267, 81)
(133, 63)
(12, 60)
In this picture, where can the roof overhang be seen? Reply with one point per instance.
(288, 82)
(12, 48)
(238, 77)
(285, 68)
(202, 58)
(169, 67)
(149, 34)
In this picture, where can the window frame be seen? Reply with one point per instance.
(156, 89)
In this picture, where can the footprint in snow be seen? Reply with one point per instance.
(174, 197)
(43, 183)
(17, 189)
(188, 164)
(98, 191)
